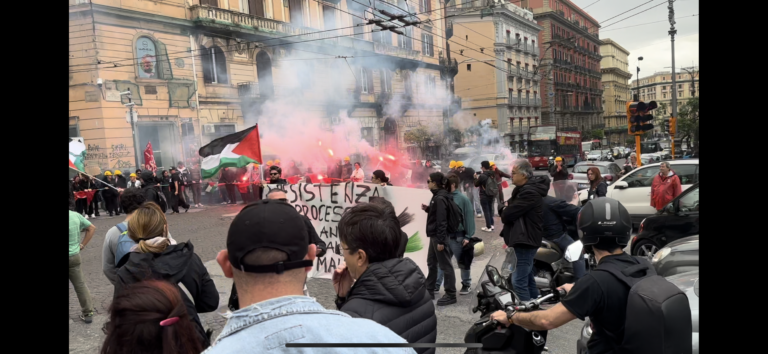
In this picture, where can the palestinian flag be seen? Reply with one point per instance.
(234, 150)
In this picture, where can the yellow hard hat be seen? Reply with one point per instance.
(452, 164)
(558, 158)
(269, 162)
(118, 172)
(346, 158)
(277, 162)
(492, 163)
(133, 175)
(459, 164)
(107, 173)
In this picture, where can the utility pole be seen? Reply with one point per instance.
(132, 119)
(673, 119)
(693, 75)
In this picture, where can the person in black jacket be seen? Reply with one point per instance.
(314, 238)
(110, 194)
(486, 197)
(121, 183)
(150, 191)
(597, 186)
(155, 257)
(558, 171)
(437, 231)
(523, 218)
(557, 213)
(230, 178)
(275, 173)
(403, 219)
(378, 285)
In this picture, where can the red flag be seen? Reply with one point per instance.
(88, 195)
(250, 146)
(149, 158)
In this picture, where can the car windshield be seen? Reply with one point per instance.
(584, 168)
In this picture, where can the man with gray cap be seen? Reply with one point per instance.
(268, 256)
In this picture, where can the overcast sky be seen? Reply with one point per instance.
(649, 40)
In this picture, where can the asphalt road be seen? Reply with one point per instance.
(207, 229)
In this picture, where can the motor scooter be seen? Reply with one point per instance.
(493, 293)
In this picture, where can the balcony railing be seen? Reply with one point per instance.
(248, 90)
(536, 101)
(514, 101)
(205, 13)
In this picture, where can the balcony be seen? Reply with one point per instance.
(536, 102)
(204, 14)
(248, 90)
(514, 101)
(535, 51)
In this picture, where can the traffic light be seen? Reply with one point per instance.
(666, 125)
(631, 109)
(672, 129)
(639, 121)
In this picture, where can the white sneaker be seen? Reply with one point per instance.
(479, 215)
(486, 229)
(224, 203)
(491, 228)
(87, 217)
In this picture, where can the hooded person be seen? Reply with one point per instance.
(387, 289)
(156, 257)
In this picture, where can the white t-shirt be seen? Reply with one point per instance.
(357, 175)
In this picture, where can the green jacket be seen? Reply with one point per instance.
(466, 208)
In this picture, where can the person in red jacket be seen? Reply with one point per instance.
(666, 186)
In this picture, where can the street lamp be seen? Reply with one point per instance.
(637, 80)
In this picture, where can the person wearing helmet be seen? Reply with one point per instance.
(604, 229)
(346, 169)
(110, 194)
(558, 171)
(134, 182)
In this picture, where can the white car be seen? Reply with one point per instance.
(594, 155)
(634, 189)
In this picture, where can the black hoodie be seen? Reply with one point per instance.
(525, 204)
(177, 264)
(392, 293)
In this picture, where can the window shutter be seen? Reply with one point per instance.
(256, 7)
(164, 61)
(205, 59)
(221, 66)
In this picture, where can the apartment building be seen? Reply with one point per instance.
(508, 90)
(614, 66)
(201, 69)
(658, 87)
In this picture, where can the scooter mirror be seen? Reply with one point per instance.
(573, 252)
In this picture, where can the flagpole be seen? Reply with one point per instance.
(94, 178)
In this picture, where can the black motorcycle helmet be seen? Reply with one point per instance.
(603, 218)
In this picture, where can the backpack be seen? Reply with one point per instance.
(658, 313)
(491, 187)
(455, 216)
(152, 195)
(184, 177)
(124, 242)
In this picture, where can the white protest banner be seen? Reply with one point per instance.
(324, 204)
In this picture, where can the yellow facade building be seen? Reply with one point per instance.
(614, 66)
(201, 69)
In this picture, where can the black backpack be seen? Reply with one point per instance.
(455, 216)
(491, 187)
(658, 313)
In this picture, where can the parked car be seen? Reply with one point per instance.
(677, 257)
(679, 219)
(687, 282)
(633, 189)
(609, 170)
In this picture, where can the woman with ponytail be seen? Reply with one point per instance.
(150, 317)
(157, 257)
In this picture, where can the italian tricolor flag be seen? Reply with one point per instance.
(234, 150)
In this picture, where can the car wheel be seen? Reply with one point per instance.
(646, 248)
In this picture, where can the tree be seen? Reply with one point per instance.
(455, 135)
(421, 137)
(663, 108)
(688, 122)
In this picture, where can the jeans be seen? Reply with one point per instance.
(441, 259)
(522, 278)
(455, 244)
(76, 277)
(196, 191)
(579, 268)
(471, 192)
(487, 204)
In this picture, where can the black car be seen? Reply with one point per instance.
(680, 218)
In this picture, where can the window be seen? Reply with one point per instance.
(383, 37)
(213, 3)
(365, 80)
(641, 177)
(386, 80)
(689, 202)
(406, 40)
(329, 17)
(152, 59)
(430, 84)
(687, 173)
(74, 132)
(427, 46)
(469, 67)
(407, 82)
(253, 7)
(214, 65)
(425, 5)
(357, 21)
